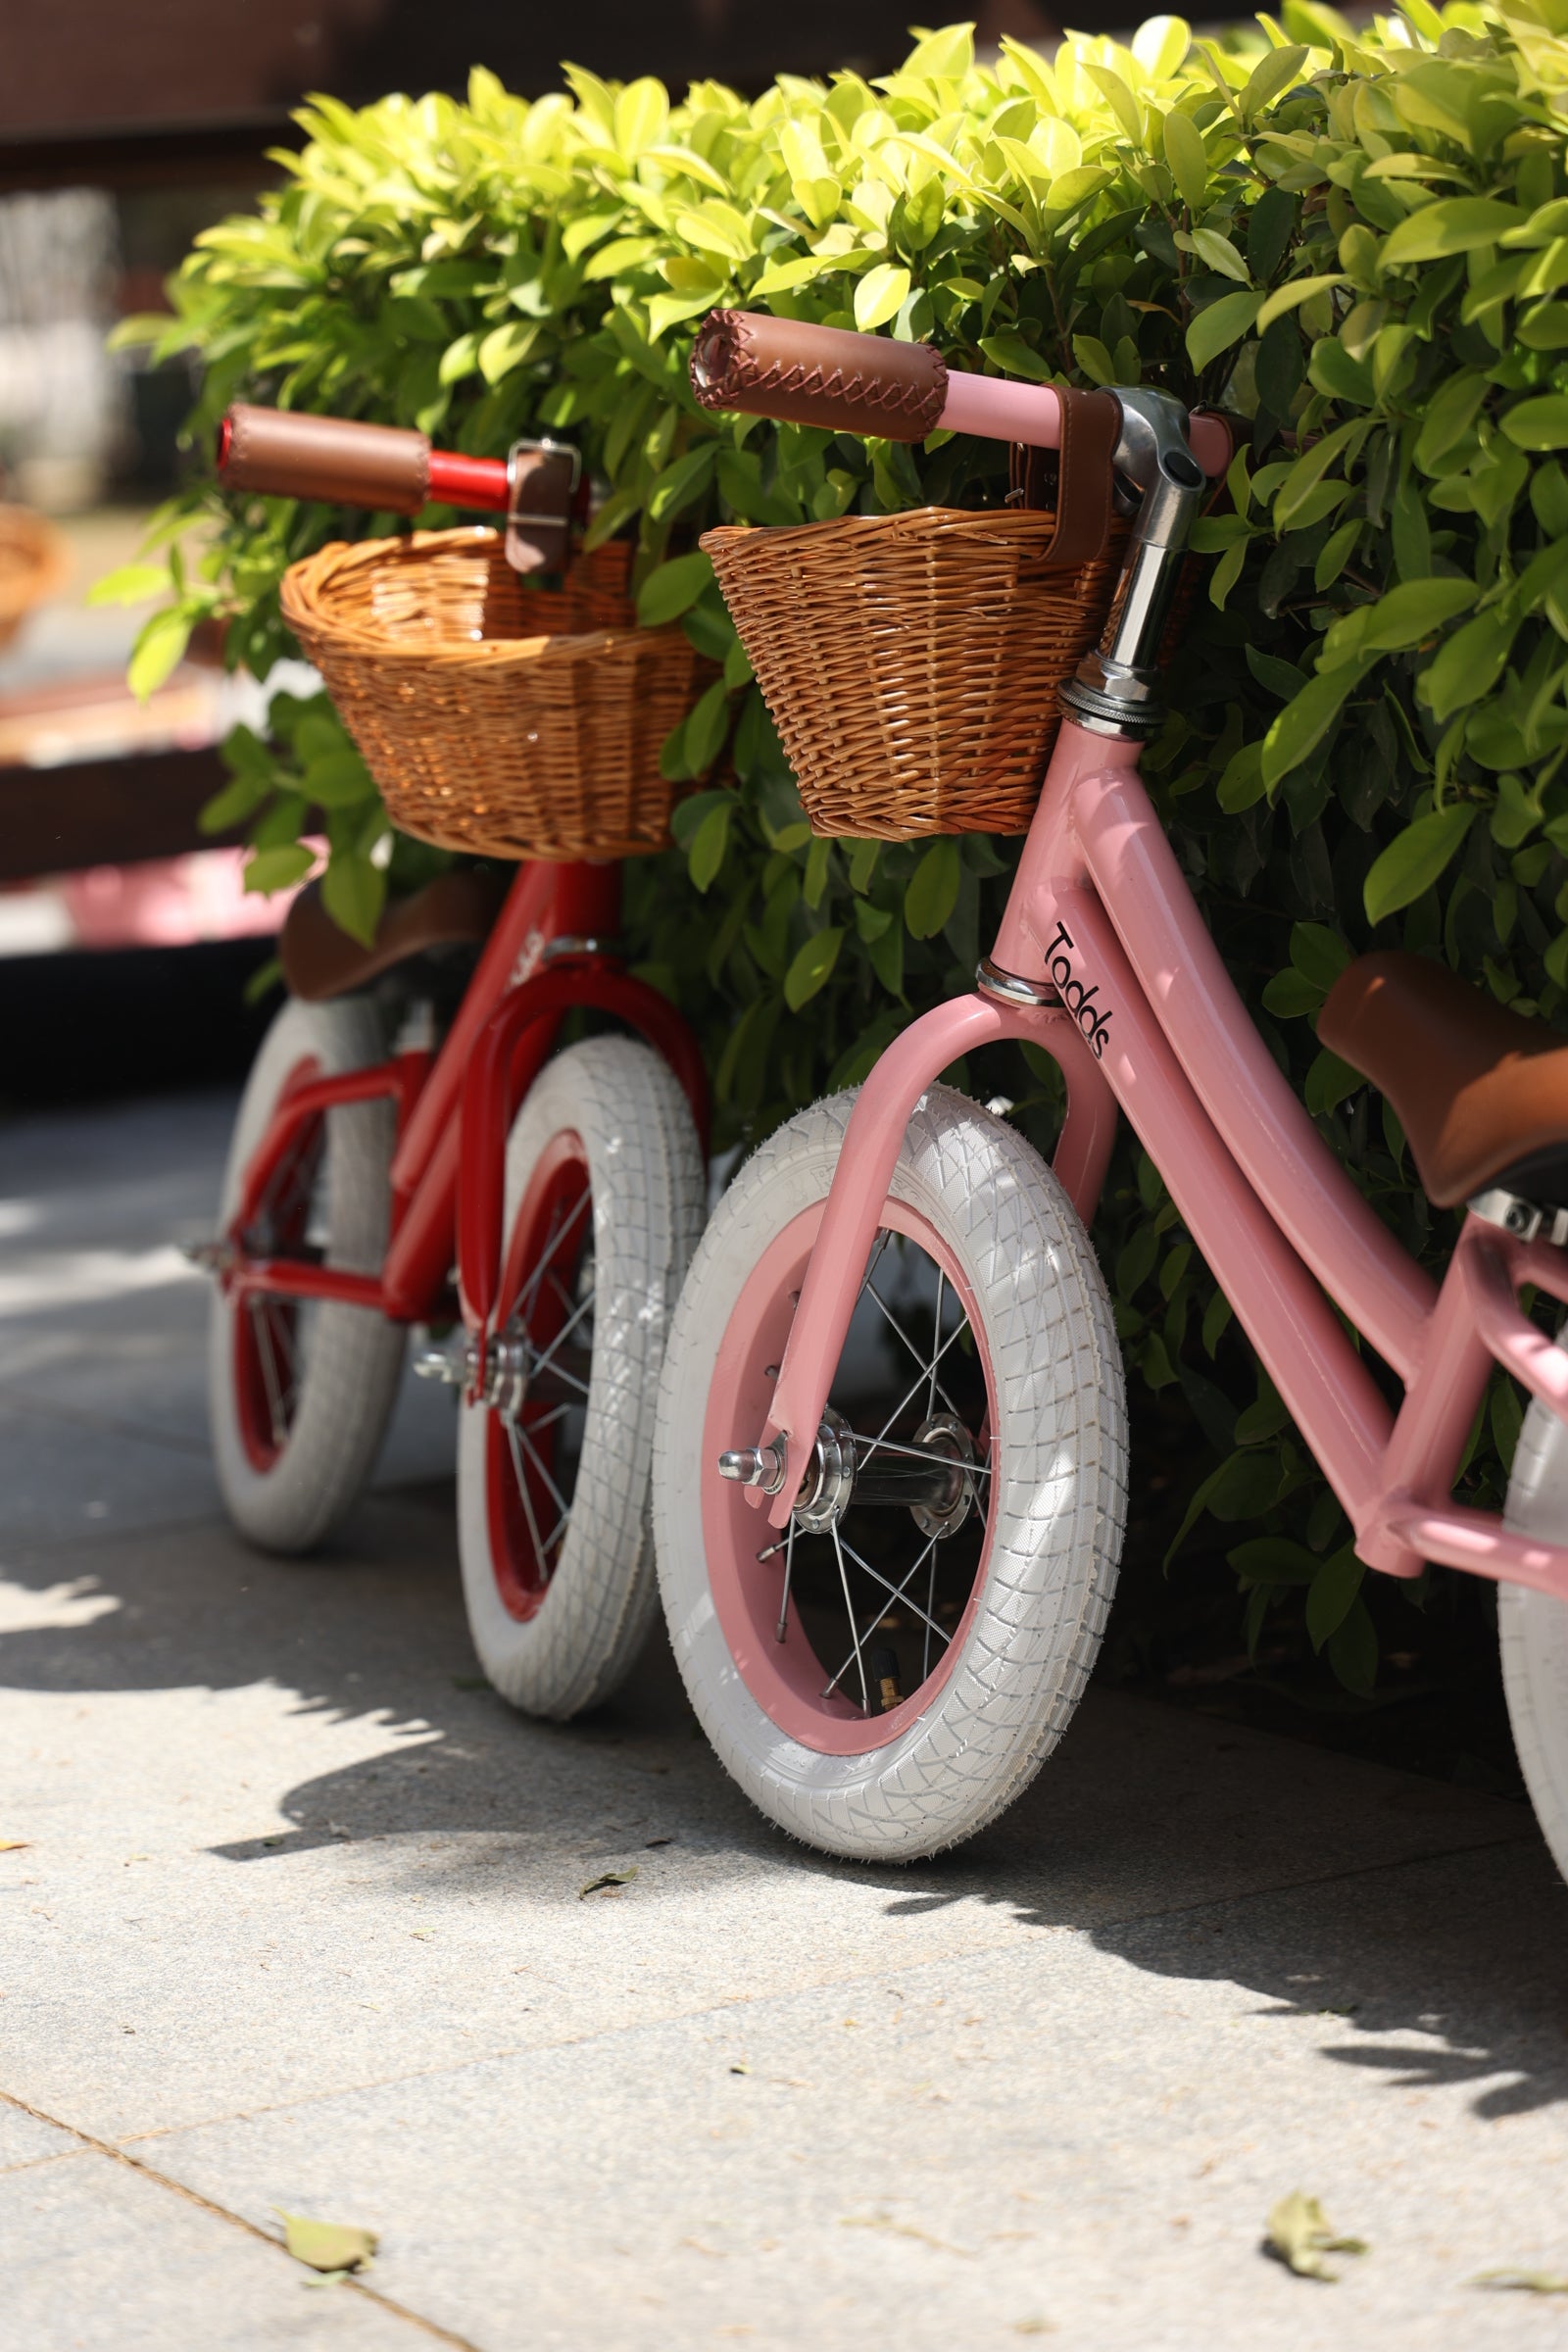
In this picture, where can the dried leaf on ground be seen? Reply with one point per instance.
(1301, 2233)
(1526, 2282)
(885, 2221)
(608, 1878)
(336, 2247)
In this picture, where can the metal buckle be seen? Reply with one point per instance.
(1518, 1217)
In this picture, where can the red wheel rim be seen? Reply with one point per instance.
(786, 1678)
(530, 1457)
(266, 1328)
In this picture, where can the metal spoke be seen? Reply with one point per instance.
(550, 1246)
(936, 1333)
(908, 1395)
(261, 1319)
(898, 1592)
(542, 1363)
(932, 1626)
(921, 1454)
(550, 1419)
(562, 1505)
(849, 1606)
(521, 1477)
(789, 1570)
(930, 1620)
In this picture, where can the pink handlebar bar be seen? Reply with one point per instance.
(845, 382)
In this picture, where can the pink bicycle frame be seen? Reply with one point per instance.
(1147, 1018)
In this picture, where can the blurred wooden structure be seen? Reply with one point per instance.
(130, 92)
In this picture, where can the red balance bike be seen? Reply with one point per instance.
(410, 1151)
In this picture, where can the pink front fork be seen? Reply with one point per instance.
(865, 1175)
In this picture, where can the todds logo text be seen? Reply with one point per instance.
(1079, 1000)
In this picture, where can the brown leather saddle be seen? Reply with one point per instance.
(1482, 1093)
(320, 960)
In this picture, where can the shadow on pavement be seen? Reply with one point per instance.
(1192, 1850)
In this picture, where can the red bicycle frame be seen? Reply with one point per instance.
(547, 956)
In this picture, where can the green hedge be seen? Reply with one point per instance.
(1359, 241)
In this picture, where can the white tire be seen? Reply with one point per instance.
(966, 1736)
(1533, 1629)
(299, 1398)
(558, 1618)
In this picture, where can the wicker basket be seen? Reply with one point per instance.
(495, 719)
(34, 565)
(912, 661)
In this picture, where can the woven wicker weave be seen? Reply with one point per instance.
(34, 565)
(912, 661)
(497, 718)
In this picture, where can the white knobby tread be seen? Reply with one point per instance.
(1533, 1629)
(645, 1169)
(355, 1357)
(1061, 1485)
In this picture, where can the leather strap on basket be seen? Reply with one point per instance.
(1090, 426)
(543, 479)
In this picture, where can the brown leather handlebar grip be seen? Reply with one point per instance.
(824, 376)
(286, 456)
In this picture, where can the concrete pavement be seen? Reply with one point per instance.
(297, 1923)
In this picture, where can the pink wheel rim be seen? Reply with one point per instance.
(785, 1679)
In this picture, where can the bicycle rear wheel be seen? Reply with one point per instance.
(889, 1672)
(300, 1394)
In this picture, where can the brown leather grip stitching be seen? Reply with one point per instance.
(818, 375)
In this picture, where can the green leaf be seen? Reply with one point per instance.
(1013, 356)
(354, 893)
(673, 589)
(1539, 423)
(1188, 161)
(1319, 954)
(158, 652)
(1453, 225)
(1242, 1488)
(1415, 858)
(339, 779)
(1334, 1590)
(1412, 612)
(131, 584)
(1221, 324)
(1302, 723)
(1273, 1560)
(1292, 295)
(279, 869)
(1470, 663)
(812, 967)
(707, 726)
(933, 893)
(880, 295)
(708, 844)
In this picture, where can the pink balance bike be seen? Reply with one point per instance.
(891, 1462)
(411, 1150)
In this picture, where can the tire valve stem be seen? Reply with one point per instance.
(884, 1668)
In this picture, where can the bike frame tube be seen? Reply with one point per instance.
(1149, 1020)
(543, 958)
